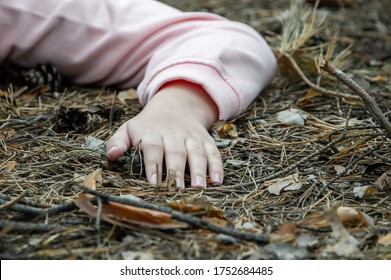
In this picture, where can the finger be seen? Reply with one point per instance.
(197, 160)
(215, 163)
(153, 157)
(175, 156)
(119, 143)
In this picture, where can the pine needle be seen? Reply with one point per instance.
(299, 23)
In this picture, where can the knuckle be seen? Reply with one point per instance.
(197, 150)
(146, 145)
(176, 154)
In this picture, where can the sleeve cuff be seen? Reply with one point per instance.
(207, 73)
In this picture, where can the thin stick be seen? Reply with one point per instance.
(35, 211)
(197, 222)
(312, 85)
(9, 204)
(368, 100)
(24, 226)
(25, 209)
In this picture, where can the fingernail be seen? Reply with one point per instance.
(153, 179)
(217, 178)
(199, 182)
(112, 149)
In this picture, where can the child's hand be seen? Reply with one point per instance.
(174, 125)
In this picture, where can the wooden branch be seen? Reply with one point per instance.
(368, 100)
(25, 209)
(9, 204)
(190, 219)
(35, 211)
(23, 226)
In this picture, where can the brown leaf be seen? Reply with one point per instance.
(363, 191)
(345, 214)
(89, 181)
(10, 166)
(226, 129)
(383, 183)
(128, 216)
(286, 233)
(341, 243)
(197, 205)
(385, 240)
(288, 183)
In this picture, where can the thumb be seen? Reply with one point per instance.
(119, 143)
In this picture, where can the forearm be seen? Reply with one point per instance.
(131, 42)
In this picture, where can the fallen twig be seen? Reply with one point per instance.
(368, 100)
(35, 211)
(24, 208)
(190, 219)
(23, 226)
(312, 85)
(9, 204)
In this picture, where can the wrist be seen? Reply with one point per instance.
(191, 97)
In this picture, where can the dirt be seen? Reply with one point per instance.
(44, 159)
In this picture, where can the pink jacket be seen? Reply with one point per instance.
(140, 43)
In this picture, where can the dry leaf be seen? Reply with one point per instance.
(342, 243)
(286, 233)
(345, 214)
(363, 191)
(198, 205)
(292, 117)
(10, 166)
(128, 216)
(89, 181)
(226, 129)
(246, 225)
(339, 169)
(307, 240)
(385, 240)
(93, 143)
(383, 183)
(288, 183)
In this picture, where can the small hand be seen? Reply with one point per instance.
(173, 125)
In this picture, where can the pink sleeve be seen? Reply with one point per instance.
(140, 43)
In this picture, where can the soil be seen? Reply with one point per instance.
(338, 152)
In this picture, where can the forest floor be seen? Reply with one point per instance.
(306, 168)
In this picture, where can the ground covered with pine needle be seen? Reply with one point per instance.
(307, 168)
